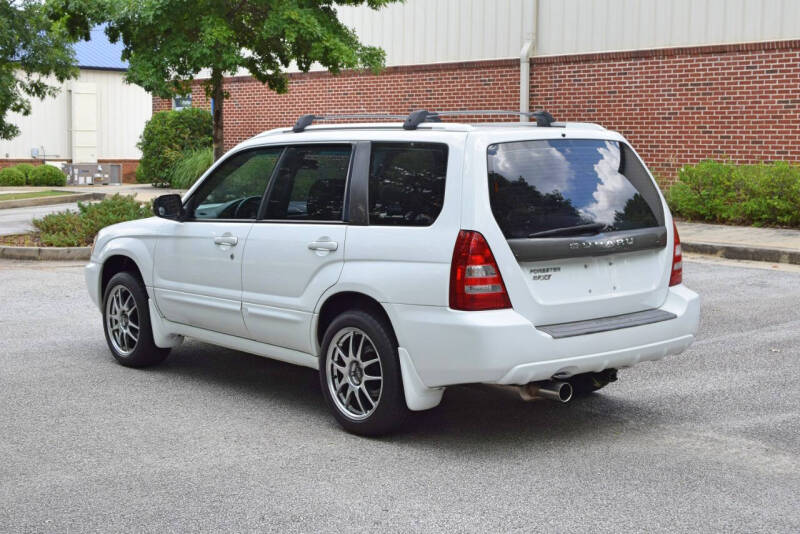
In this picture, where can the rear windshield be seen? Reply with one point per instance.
(538, 186)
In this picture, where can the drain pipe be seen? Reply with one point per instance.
(525, 66)
(525, 80)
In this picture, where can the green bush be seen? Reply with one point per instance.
(47, 175)
(78, 228)
(11, 176)
(766, 194)
(26, 169)
(191, 165)
(166, 136)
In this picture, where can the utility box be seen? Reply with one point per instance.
(93, 174)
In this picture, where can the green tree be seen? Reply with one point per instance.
(168, 43)
(32, 49)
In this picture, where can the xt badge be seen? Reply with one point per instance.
(544, 273)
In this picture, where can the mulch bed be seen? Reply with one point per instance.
(21, 240)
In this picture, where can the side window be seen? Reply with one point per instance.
(235, 188)
(406, 183)
(310, 184)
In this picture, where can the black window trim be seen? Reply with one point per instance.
(356, 196)
(357, 207)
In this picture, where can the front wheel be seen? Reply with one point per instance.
(126, 322)
(360, 374)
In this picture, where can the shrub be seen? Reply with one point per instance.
(11, 176)
(78, 228)
(47, 175)
(191, 165)
(26, 169)
(762, 195)
(166, 136)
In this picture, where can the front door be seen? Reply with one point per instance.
(295, 251)
(198, 262)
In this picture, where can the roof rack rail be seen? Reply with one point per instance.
(417, 117)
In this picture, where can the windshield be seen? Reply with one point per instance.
(536, 187)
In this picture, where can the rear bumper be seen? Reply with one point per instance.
(449, 347)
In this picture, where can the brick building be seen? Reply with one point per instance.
(684, 81)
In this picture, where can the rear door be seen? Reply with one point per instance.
(295, 251)
(585, 224)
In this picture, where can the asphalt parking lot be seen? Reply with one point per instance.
(220, 440)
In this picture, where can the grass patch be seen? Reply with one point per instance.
(32, 194)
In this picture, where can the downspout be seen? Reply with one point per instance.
(525, 66)
(525, 79)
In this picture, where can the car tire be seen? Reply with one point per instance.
(357, 348)
(126, 322)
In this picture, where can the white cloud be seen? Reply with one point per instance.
(613, 190)
(545, 167)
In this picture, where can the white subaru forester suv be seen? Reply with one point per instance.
(399, 258)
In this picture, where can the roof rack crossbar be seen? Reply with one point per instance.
(305, 120)
(417, 117)
(543, 118)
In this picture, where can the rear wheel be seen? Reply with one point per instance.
(126, 322)
(360, 374)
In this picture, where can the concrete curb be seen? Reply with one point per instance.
(46, 201)
(45, 253)
(739, 252)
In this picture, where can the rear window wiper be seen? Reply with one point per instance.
(593, 228)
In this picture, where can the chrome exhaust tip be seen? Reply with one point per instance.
(547, 389)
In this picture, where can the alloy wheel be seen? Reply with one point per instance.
(354, 373)
(122, 320)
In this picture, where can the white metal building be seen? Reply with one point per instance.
(437, 31)
(95, 117)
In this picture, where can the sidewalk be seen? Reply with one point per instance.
(741, 242)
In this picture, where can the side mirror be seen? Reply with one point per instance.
(168, 207)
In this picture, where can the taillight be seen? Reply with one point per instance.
(475, 281)
(676, 276)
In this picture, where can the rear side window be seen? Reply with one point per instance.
(406, 183)
(541, 186)
(310, 184)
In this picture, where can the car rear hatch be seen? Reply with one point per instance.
(586, 225)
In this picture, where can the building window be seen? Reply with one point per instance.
(181, 102)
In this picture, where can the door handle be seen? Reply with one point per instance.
(229, 240)
(330, 246)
